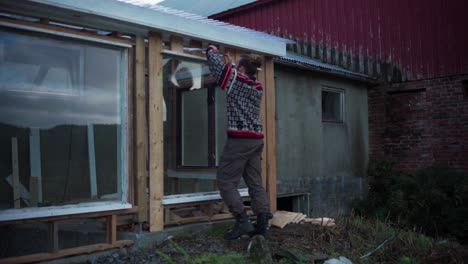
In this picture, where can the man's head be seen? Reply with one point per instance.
(249, 64)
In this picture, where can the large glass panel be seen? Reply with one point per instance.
(191, 126)
(61, 101)
(194, 126)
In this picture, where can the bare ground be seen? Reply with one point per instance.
(351, 237)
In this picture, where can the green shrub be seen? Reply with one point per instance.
(432, 200)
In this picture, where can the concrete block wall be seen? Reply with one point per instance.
(420, 123)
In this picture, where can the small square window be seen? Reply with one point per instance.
(465, 89)
(332, 105)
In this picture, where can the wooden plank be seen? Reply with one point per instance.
(35, 182)
(92, 162)
(111, 229)
(70, 216)
(176, 43)
(156, 140)
(53, 236)
(261, 77)
(16, 181)
(271, 135)
(130, 132)
(282, 218)
(196, 219)
(66, 253)
(140, 131)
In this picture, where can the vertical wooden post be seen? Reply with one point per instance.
(156, 150)
(16, 180)
(261, 76)
(270, 128)
(52, 238)
(177, 43)
(111, 229)
(140, 130)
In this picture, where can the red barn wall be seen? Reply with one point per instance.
(396, 40)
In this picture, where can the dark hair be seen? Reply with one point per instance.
(251, 63)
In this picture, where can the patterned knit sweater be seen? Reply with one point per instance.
(243, 98)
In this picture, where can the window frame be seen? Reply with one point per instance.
(211, 86)
(342, 94)
(122, 165)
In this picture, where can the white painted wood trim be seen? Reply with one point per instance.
(197, 197)
(27, 213)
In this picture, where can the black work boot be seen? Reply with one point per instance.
(242, 227)
(262, 224)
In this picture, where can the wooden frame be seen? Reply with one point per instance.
(54, 252)
(35, 183)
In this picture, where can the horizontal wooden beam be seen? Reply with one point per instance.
(66, 253)
(64, 30)
(71, 216)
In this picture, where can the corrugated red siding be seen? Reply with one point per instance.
(421, 38)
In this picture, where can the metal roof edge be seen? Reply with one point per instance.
(306, 63)
(141, 19)
(238, 9)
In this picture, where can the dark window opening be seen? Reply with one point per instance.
(298, 203)
(332, 105)
(465, 89)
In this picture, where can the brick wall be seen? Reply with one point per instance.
(420, 123)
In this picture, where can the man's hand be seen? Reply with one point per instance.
(213, 47)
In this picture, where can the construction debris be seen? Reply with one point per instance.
(283, 218)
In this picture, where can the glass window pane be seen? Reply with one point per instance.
(195, 128)
(62, 100)
(332, 106)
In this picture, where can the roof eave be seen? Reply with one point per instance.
(119, 16)
(352, 76)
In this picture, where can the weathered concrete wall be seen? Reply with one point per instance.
(327, 160)
(421, 123)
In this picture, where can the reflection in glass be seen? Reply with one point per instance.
(62, 101)
(195, 129)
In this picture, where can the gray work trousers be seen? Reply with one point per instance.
(242, 158)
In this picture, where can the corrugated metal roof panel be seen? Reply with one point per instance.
(206, 20)
(139, 17)
(307, 62)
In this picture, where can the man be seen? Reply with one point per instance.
(243, 149)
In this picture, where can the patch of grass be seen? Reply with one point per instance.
(387, 243)
(203, 258)
(223, 259)
(216, 232)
